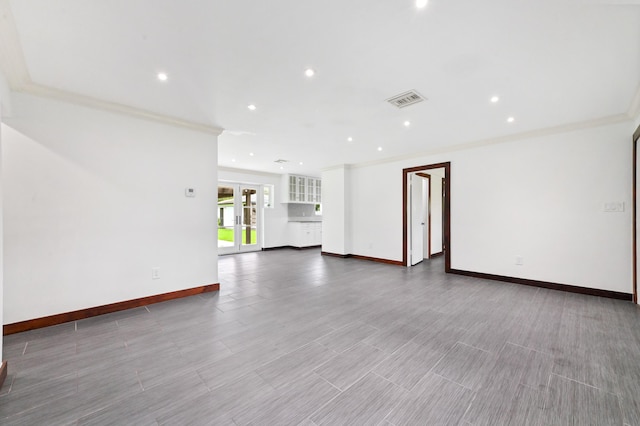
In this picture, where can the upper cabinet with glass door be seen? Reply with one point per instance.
(301, 189)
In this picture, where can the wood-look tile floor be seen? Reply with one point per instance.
(295, 338)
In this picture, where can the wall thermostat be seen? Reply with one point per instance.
(189, 192)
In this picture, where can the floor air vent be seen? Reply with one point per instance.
(405, 99)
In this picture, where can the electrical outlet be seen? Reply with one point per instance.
(614, 207)
(519, 261)
(155, 273)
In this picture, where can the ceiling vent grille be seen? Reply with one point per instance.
(406, 99)
(281, 161)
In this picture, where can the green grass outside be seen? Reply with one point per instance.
(225, 234)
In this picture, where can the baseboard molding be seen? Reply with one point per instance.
(545, 284)
(342, 256)
(32, 324)
(3, 373)
(440, 253)
(290, 247)
(357, 256)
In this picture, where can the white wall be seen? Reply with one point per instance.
(3, 94)
(336, 210)
(94, 200)
(539, 198)
(276, 218)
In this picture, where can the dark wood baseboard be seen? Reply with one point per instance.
(3, 373)
(290, 247)
(357, 256)
(342, 256)
(32, 324)
(440, 253)
(544, 284)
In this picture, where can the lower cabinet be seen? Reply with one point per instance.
(305, 234)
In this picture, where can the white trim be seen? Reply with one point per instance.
(337, 166)
(605, 121)
(634, 108)
(74, 98)
(248, 171)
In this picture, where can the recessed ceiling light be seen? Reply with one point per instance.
(251, 154)
(407, 123)
(350, 139)
(252, 107)
(309, 72)
(300, 163)
(379, 148)
(281, 168)
(510, 120)
(233, 160)
(495, 99)
(162, 76)
(421, 3)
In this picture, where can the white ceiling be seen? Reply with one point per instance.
(552, 62)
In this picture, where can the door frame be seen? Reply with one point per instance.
(238, 226)
(446, 219)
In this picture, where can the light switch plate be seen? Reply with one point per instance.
(189, 192)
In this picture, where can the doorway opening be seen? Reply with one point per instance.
(239, 213)
(426, 215)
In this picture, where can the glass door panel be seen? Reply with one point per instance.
(238, 218)
(249, 227)
(226, 218)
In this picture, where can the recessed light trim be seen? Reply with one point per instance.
(379, 148)
(407, 123)
(510, 120)
(309, 72)
(300, 163)
(252, 107)
(349, 139)
(421, 4)
(162, 76)
(251, 154)
(494, 99)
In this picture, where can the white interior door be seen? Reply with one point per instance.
(239, 212)
(416, 212)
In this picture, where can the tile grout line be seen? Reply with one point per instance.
(582, 383)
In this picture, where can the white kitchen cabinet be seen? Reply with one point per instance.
(305, 234)
(301, 189)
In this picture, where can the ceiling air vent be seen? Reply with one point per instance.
(281, 161)
(405, 99)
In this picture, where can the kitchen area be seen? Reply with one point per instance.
(272, 211)
(303, 197)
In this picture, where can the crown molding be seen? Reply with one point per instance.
(14, 68)
(87, 101)
(634, 108)
(549, 131)
(337, 167)
(248, 172)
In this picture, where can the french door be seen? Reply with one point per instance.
(239, 208)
